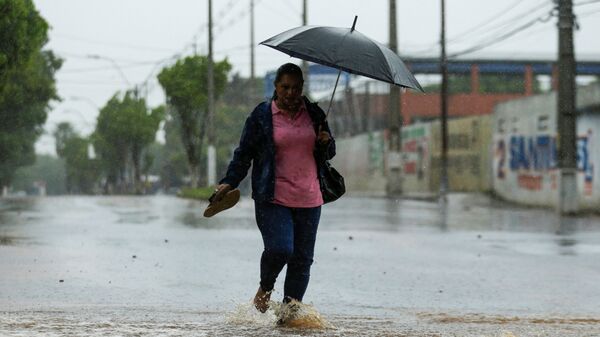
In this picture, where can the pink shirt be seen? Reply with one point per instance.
(296, 182)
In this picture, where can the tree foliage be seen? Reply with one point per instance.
(23, 32)
(186, 86)
(46, 168)
(125, 127)
(81, 171)
(27, 84)
(63, 132)
(172, 165)
(244, 92)
(230, 120)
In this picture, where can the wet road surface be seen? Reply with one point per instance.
(154, 266)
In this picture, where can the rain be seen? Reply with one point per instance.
(138, 170)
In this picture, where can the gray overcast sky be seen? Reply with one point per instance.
(138, 36)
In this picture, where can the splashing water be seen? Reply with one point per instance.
(295, 314)
(246, 314)
(300, 315)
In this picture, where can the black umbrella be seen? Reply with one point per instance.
(345, 49)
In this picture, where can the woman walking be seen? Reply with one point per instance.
(286, 139)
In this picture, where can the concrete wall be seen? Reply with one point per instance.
(469, 143)
(524, 166)
(588, 163)
(360, 159)
(416, 158)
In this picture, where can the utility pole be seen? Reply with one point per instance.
(395, 118)
(211, 151)
(304, 63)
(444, 107)
(566, 111)
(252, 45)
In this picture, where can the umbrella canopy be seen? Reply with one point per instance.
(345, 49)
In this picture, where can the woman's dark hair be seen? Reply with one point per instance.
(287, 69)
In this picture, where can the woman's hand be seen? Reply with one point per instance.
(220, 192)
(324, 137)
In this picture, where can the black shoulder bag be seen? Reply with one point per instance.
(330, 180)
(332, 183)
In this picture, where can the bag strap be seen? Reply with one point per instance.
(316, 114)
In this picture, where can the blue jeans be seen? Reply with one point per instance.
(289, 236)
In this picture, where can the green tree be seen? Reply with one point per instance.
(143, 132)
(185, 85)
(230, 119)
(123, 129)
(171, 164)
(23, 32)
(24, 104)
(26, 84)
(81, 171)
(63, 132)
(48, 169)
(243, 92)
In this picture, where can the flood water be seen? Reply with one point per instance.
(153, 266)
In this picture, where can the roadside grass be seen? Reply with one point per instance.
(200, 193)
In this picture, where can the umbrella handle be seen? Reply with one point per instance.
(333, 94)
(336, 81)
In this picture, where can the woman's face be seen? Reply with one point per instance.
(289, 91)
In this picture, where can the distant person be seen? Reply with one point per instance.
(283, 138)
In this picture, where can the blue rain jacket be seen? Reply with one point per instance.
(257, 148)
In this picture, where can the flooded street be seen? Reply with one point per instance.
(134, 266)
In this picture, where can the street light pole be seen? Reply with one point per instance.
(91, 151)
(444, 106)
(211, 151)
(81, 117)
(305, 68)
(394, 185)
(252, 43)
(87, 100)
(91, 103)
(252, 95)
(566, 111)
(115, 65)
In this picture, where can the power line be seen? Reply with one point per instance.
(175, 56)
(192, 44)
(491, 30)
(543, 18)
(222, 15)
(110, 44)
(497, 39)
(590, 13)
(227, 9)
(112, 84)
(509, 22)
(219, 29)
(240, 48)
(87, 56)
(241, 14)
(531, 32)
(284, 13)
(92, 69)
(485, 23)
(289, 5)
(588, 2)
